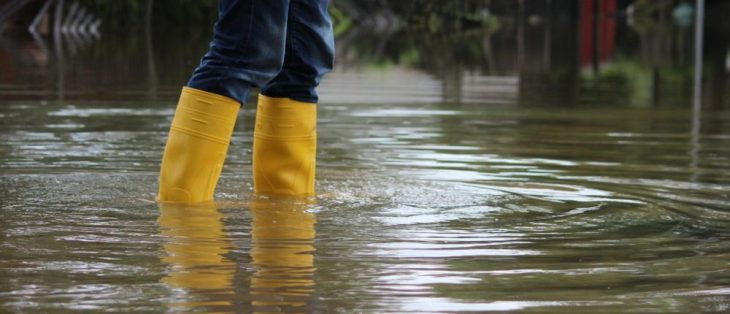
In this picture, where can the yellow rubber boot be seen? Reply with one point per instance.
(197, 146)
(284, 147)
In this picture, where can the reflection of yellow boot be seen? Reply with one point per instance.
(282, 250)
(196, 243)
(285, 145)
(196, 146)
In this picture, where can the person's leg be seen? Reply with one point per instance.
(285, 135)
(309, 52)
(247, 50)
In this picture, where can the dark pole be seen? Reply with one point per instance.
(596, 34)
(58, 45)
(697, 99)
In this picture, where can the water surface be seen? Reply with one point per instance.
(420, 208)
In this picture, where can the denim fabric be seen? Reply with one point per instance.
(283, 47)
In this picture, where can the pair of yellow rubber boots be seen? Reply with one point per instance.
(284, 149)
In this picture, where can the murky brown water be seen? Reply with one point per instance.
(420, 208)
(478, 173)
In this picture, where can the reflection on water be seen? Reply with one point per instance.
(451, 176)
(203, 277)
(282, 249)
(196, 245)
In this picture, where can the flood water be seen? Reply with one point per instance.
(440, 189)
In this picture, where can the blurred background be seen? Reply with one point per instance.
(528, 52)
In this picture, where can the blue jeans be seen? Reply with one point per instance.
(283, 47)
